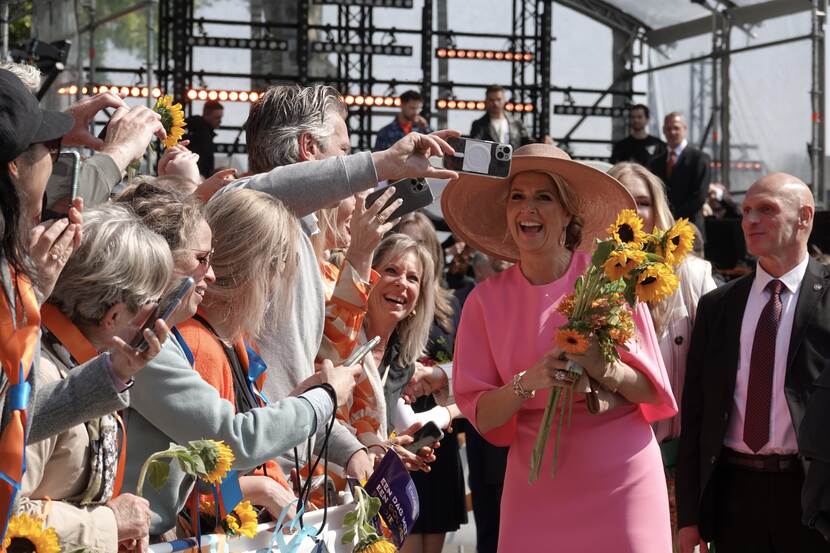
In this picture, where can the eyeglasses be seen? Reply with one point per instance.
(54, 147)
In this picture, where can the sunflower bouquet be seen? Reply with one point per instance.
(629, 266)
(28, 534)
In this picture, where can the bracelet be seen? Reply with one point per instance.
(613, 376)
(519, 390)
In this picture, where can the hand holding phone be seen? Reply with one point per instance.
(478, 157)
(413, 193)
(425, 436)
(361, 351)
(166, 306)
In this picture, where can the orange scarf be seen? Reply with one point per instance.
(19, 333)
(82, 351)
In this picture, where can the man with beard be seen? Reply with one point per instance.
(408, 120)
(639, 146)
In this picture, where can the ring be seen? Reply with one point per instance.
(380, 219)
(54, 256)
(561, 376)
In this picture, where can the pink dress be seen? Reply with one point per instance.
(609, 493)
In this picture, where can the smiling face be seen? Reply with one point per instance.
(535, 216)
(194, 261)
(394, 296)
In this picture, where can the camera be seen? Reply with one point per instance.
(479, 157)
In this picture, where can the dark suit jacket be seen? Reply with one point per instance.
(201, 137)
(518, 133)
(711, 370)
(688, 186)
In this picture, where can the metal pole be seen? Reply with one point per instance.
(545, 60)
(715, 119)
(92, 27)
(725, 143)
(150, 39)
(426, 56)
(443, 63)
(819, 16)
(4, 29)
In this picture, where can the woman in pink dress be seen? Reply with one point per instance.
(609, 493)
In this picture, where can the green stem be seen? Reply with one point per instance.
(542, 437)
(143, 474)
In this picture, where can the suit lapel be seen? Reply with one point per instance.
(733, 316)
(813, 287)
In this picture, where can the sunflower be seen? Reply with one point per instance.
(679, 240)
(571, 341)
(620, 263)
(218, 459)
(375, 544)
(26, 534)
(655, 283)
(627, 230)
(172, 119)
(242, 521)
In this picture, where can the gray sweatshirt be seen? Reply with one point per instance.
(290, 350)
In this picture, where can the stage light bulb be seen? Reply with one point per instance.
(529, 107)
(480, 55)
(192, 94)
(528, 56)
(441, 104)
(243, 96)
(509, 106)
(389, 101)
(450, 53)
(441, 53)
(84, 90)
(480, 105)
(135, 92)
(73, 89)
(462, 104)
(95, 90)
(370, 101)
(451, 104)
(349, 99)
(213, 95)
(233, 96)
(103, 88)
(488, 55)
(223, 95)
(145, 92)
(359, 100)
(253, 96)
(156, 92)
(203, 94)
(499, 55)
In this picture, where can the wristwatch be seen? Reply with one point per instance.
(519, 390)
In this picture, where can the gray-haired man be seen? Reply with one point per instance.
(292, 124)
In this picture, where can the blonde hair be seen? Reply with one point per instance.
(165, 210)
(444, 310)
(663, 219)
(256, 247)
(119, 260)
(327, 227)
(413, 331)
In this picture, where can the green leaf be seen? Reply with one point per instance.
(373, 508)
(350, 519)
(630, 289)
(157, 473)
(348, 537)
(602, 252)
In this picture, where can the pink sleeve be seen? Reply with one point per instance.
(474, 369)
(644, 356)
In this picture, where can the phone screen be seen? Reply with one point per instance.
(166, 305)
(62, 187)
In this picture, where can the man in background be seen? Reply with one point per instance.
(201, 130)
(685, 171)
(639, 146)
(496, 125)
(409, 119)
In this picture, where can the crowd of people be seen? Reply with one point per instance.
(717, 405)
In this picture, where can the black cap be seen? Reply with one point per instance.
(22, 122)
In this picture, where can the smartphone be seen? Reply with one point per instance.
(479, 157)
(415, 194)
(166, 305)
(360, 352)
(425, 436)
(62, 187)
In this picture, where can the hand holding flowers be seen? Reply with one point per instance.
(629, 266)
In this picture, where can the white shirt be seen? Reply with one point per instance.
(502, 128)
(679, 149)
(782, 434)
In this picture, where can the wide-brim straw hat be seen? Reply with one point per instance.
(475, 206)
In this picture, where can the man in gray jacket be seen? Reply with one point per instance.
(292, 124)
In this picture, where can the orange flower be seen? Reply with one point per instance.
(566, 306)
(571, 341)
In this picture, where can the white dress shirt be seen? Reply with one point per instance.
(678, 150)
(782, 434)
(502, 129)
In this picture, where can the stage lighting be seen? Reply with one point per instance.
(369, 3)
(223, 95)
(134, 91)
(245, 43)
(354, 48)
(589, 111)
(371, 101)
(478, 105)
(492, 55)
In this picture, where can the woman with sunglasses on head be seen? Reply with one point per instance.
(189, 408)
(32, 256)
